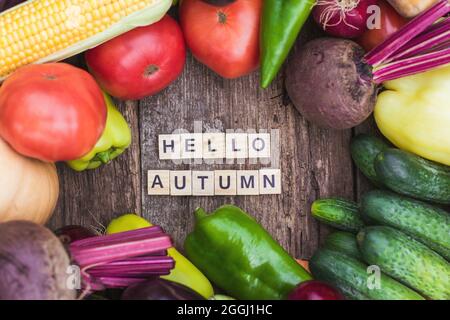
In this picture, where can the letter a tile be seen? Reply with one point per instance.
(158, 182)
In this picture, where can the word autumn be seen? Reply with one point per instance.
(210, 183)
(214, 145)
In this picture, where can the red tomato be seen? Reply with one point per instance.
(140, 62)
(224, 38)
(52, 112)
(390, 20)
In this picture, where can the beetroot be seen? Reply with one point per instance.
(33, 263)
(330, 84)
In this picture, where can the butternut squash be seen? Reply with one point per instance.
(28, 188)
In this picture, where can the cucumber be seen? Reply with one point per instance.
(338, 213)
(413, 176)
(344, 242)
(406, 260)
(426, 223)
(364, 148)
(351, 276)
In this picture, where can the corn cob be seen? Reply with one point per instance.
(40, 31)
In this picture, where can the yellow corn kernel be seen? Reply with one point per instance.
(40, 28)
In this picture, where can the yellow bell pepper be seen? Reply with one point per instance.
(184, 273)
(414, 114)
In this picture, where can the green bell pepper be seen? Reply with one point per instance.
(281, 24)
(116, 138)
(240, 257)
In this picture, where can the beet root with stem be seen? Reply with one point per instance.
(329, 83)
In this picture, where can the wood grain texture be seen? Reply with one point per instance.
(314, 162)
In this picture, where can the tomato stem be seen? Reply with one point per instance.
(222, 17)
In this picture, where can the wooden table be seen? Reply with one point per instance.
(314, 162)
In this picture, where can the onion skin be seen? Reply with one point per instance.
(33, 263)
(315, 290)
(351, 24)
(329, 84)
(160, 289)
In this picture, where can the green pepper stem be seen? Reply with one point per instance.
(104, 156)
(199, 213)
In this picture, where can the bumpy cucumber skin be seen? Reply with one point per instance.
(351, 277)
(406, 260)
(364, 148)
(344, 242)
(426, 223)
(339, 213)
(413, 176)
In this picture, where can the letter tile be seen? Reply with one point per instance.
(236, 145)
(202, 183)
(158, 182)
(259, 145)
(214, 145)
(169, 146)
(191, 145)
(181, 183)
(270, 181)
(247, 182)
(225, 182)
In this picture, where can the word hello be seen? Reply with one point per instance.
(214, 145)
(217, 182)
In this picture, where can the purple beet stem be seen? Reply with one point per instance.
(413, 28)
(121, 259)
(421, 45)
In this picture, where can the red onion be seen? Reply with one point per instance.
(343, 18)
(315, 290)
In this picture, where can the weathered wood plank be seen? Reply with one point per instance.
(314, 162)
(93, 197)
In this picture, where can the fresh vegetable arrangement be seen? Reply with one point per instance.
(127, 15)
(408, 239)
(184, 272)
(346, 93)
(51, 111)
